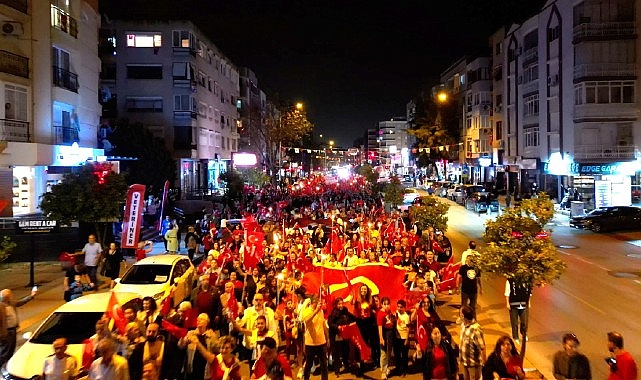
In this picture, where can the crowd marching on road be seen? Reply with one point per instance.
(310, 282)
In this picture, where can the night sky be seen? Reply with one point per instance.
(353, 63)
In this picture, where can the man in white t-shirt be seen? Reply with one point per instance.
(92, 251)
(468, 252)
(60, 365)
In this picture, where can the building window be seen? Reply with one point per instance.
(499, 130)
(184, 103)
(144, 104)
(530, 73)
(531, 105)
(144, 71)
(554, 33)
(604, 92)
(498, 48)
(144, 40)
(531, 135)
(15, 102)
(183, 38)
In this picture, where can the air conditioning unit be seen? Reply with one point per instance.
(553, 80)
(501, 144)
(11, 28)
(498, 108)
(519, 80)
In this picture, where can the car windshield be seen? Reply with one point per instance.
(75, 326)
(599, 211)
(147, 274)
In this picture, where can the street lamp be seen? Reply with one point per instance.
(299, 107)
(331, 146)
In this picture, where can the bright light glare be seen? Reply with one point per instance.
(342, 172)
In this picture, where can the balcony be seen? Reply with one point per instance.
(14, 64)
(65, 135)
(61, 20)
(65, 79)
(605, 112)
(19, 5)
(14, 130)
(603, 31)
(530, 87)
(604, 70)
(605, 152)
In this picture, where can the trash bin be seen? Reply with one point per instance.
(576, 208)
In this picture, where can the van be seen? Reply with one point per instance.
(74, 320)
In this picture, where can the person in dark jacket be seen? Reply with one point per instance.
(339, 347)
(440, 359)
(569, 363)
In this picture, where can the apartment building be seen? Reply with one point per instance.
(252, 108)
(49, 69)
(571, 94)
(167, 75)
(394, 143)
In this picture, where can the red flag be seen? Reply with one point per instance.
(166, 305)
(114, 311)
(353, 334)
(174, 330)
(335, 245)
(133, 216)
(421, 336)
(381, 279)
(253, 249)
(249, 223)
(232, 307)
(87, 354)
(448, 278)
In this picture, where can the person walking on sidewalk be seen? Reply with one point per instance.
(569, 363)
(517, 297)
(92, 251)
(9, 322)
(473, 354)
(469, 283)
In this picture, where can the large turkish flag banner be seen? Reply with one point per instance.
(382, 279)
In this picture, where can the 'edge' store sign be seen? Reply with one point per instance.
(616, 168)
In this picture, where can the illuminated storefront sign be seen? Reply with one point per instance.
(573, 168)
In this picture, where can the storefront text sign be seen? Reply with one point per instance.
(36, 226)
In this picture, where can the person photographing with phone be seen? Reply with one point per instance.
(622, 365)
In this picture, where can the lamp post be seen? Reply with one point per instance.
(298, 107)
(331, 146)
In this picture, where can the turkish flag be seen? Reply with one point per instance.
(448, 278)
(114, 311)
(253, 249)
(383, 280)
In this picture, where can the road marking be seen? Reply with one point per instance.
(584, 260)
(586, 303)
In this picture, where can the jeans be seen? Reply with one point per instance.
(321, 353)
(92, 272)
(401, 355)
(518, 319)
(7, 346)
(340, 354)
(471, 373)
(386, 354)
(469, 299)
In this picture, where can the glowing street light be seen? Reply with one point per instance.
(442, 97)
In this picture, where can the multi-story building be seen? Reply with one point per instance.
(453, 83)
(49, 70)
(572, 115)
(252, 116)
(170, 77)
(501, 175)
(394, 143)
(371, 145)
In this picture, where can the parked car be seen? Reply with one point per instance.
(454, 192)
(609, 219)
(76, 321)
(410, 194)
(440, 188)
(156, 276)
(481, 202)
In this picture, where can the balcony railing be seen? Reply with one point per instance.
(63, 135)
(14, 130)
(617, 70)
(14, 64)
(530, 87)
(530, 55)
(61, 20)
(603, 30)
(65, 79)
(606, 111)
(605, 151)
(19, 5)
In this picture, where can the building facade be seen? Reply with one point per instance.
(49, 70)
(170, 77)
(252, 108)
(394, 144)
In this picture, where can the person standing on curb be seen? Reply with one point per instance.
(517, 297)
(473, 354)
(92, 251)
(10, 323)
(622, 364)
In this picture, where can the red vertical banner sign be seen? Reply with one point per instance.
(165, 193)
(133, 216)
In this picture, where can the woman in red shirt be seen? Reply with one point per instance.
(504, 362)
(224, 365)
(440, 358)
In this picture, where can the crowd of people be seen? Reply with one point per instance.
(252, 305)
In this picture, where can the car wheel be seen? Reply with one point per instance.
(597, 227)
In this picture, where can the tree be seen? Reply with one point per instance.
(234, 187)
(284, 126)
(253, 176)
(369, 173)
(394, 192)
(6, 248)
(432, 213)
(153, 165)
(519, 248)
(435, 124)
(92, 194)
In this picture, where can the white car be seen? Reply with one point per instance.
(74, 320)
(157, 276)
(410, 194)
